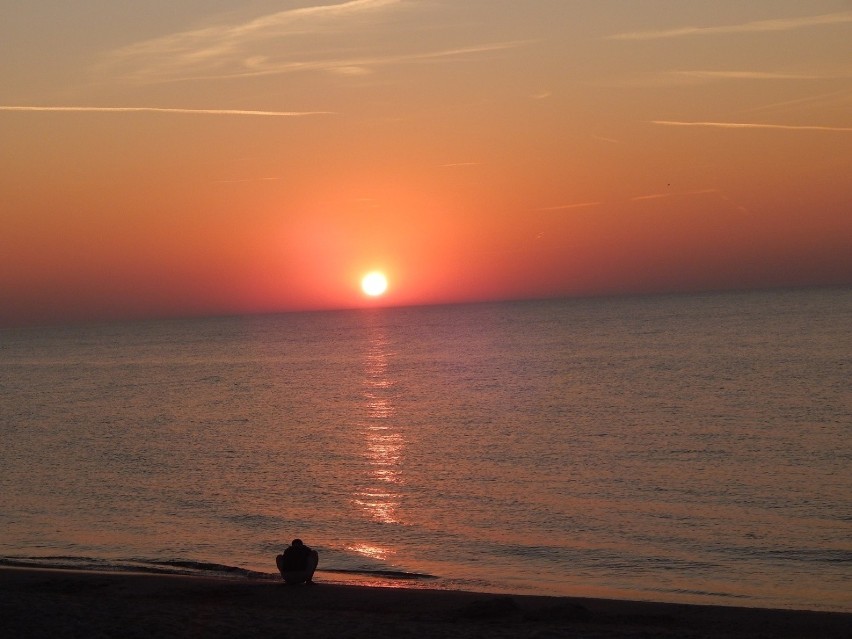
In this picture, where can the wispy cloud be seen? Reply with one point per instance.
(659, 196)
(87, 109)
(246, 45)
(366, 64)
(566, 207)
(638, 198)
(241, 180)
(751, 125)
(305, 39)
(653, 196)
(743, 75)
(680, 78)
(605, 139)
(781, 24)
(831, 99)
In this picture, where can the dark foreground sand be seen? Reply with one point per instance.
(56, 603)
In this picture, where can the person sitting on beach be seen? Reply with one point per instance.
(298, 563)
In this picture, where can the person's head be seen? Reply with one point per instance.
(296, 542)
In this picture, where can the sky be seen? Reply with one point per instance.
(210, 157)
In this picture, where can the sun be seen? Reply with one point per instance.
(374, 283)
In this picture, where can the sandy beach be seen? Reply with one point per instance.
(60, 603)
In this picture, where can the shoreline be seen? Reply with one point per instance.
(42, 602)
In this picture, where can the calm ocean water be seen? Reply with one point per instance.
(683, 448)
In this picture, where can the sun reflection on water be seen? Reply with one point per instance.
(369, 550)
(384, 443)
(378, 407)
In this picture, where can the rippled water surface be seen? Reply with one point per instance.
(689, 448)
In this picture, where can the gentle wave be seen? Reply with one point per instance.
(390, 574)
(132, 565)
(703, 593)
(183, 567)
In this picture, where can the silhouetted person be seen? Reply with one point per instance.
(298, 563)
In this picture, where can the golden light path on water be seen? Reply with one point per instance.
(379, 499)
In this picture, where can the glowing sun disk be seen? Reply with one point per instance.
(374, 284)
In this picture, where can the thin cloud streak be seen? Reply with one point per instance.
(83, 109)
(210, 48)
(272, 45)
(744, 75)
(750, 125)
(238, 181)
(605, 139)
(351, 66)
(653, 196)
(659, 196)
(638, 198)
(565, 207)
(680, 78)
(361, 66)
(834, 98)
(782, 24)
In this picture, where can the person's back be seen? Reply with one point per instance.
(295, 557)
(297, 563)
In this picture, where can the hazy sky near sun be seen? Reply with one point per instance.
(222, 156)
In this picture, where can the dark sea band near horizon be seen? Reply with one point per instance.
(675, 448)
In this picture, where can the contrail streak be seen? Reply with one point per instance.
(78, 109)
(565, 207)
(748, 125)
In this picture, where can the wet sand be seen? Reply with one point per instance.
(60, 603)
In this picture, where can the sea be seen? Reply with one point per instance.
(682, 448)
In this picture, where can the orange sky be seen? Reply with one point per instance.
(229, 157)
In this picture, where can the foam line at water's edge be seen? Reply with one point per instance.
(131, 565)
(183, 567)
(390, 574)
